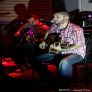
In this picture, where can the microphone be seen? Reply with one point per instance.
(45, 21)
(52, 21)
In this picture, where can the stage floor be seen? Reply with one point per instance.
(18, 81)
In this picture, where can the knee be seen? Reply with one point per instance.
(65, 69)
(64, 65)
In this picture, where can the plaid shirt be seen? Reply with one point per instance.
(72, 34)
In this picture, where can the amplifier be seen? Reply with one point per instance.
(86, 23)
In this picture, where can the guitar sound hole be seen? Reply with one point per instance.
(56, 44)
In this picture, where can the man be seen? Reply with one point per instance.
(72, 53)
(27, 35)
(31, 22)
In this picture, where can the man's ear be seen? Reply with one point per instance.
(67, 18)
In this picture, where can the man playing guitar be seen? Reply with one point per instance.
(71, 48)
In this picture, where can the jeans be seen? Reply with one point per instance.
(65, 62)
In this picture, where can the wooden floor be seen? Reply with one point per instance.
(18, 81)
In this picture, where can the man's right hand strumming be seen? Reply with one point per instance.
(43, 45)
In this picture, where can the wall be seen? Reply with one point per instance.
(58, 5)
(71, 5)
(86, 5)
(82, 5)
(41, 7)
(7, 13)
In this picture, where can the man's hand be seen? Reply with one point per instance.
(43, 45)
(17, 34)
(55, 48)
(20, 29)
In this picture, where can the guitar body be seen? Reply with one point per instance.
(51, 39)
(54, 43)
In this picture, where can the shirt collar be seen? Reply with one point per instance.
(63, 27)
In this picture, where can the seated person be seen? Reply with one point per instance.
(73, 52)
(31, 32)
(33, 27)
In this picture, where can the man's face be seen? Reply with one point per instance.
(33, 21)
(58, 19)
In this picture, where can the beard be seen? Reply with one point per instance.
(59, 22)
